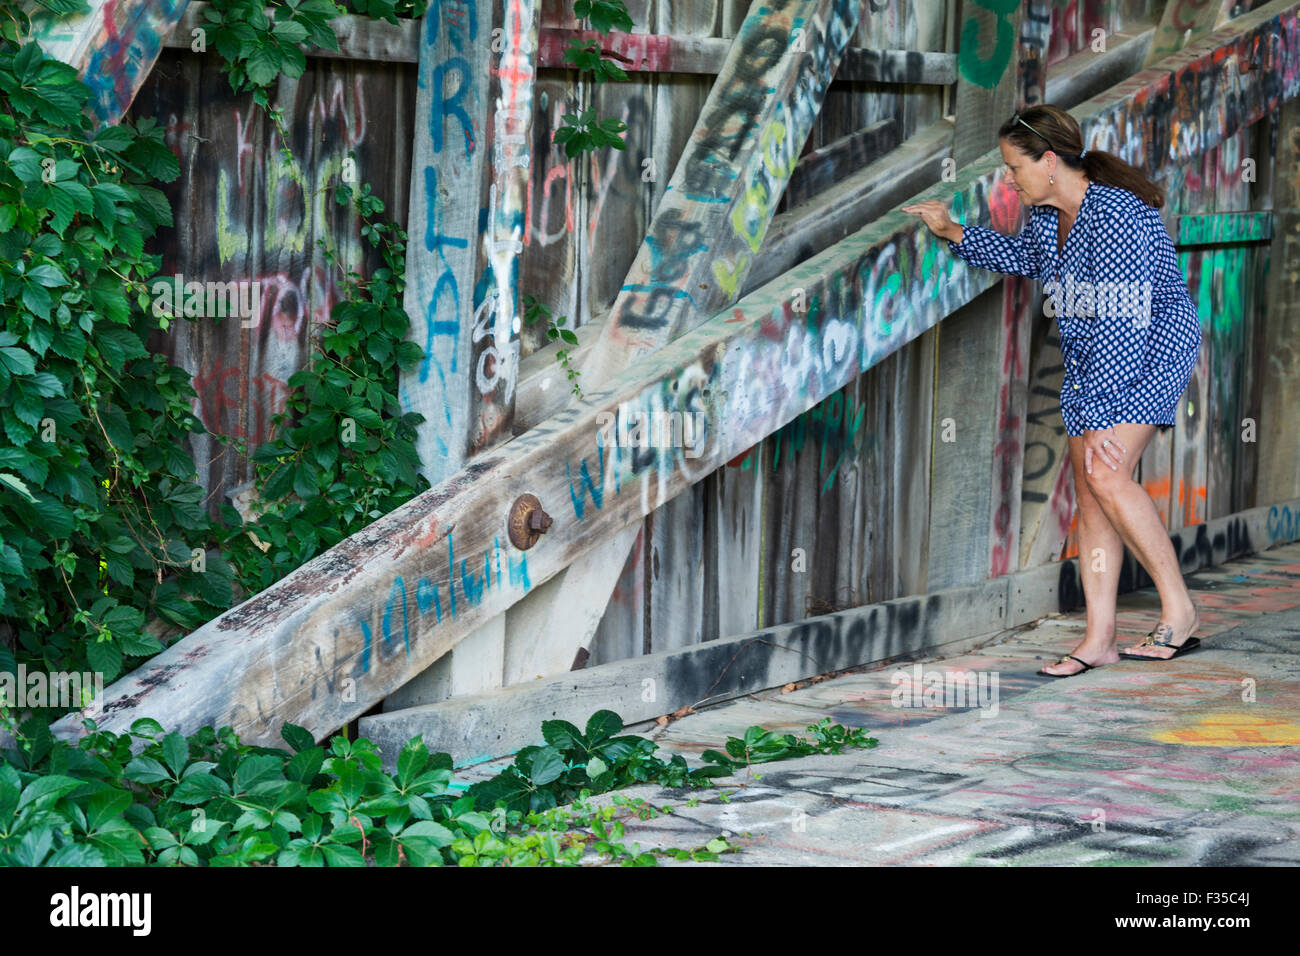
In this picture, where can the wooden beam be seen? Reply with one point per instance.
(362, 38)
(468, 181)
(1085, 74)
(1183, 21)
(113, 46)
(321, 646)
(822, 168)
(641, 688)
(1221, 228)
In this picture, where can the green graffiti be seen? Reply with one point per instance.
(1224, 227)
(987, 72)
(834, 425)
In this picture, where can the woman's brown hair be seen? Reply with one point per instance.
(1036, 129)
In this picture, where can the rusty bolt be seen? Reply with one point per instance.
(526, 522)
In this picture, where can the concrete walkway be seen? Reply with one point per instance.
(1194, 761)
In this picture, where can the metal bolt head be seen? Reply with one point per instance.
(526, 522)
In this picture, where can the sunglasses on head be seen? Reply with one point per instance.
(1034, 131)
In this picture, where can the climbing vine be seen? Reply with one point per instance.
(583, 133)
(101, 522)
(342, 452)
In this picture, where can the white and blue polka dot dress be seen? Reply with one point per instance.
(1130, 336)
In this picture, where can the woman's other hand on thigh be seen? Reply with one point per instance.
(1105, 447)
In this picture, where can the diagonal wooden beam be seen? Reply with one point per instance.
(1183, 21)
(710, 223)
(345, 630)
(113, 46)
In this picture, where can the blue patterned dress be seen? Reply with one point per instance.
(1130, 336)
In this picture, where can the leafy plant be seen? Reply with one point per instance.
(604, 15)
(101, 521)
(585, 133)
(151, 797)
(102, 524)
(534, 311)
(257, 49)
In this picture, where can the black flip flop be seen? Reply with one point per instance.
(1070, 657)
(1189, 645)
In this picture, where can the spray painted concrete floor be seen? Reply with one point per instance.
(1194, 761)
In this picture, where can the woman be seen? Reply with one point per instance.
(1130, 339)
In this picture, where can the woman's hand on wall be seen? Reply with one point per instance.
(934, 213)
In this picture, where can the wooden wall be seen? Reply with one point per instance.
(831, 511)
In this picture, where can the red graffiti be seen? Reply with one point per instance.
(262, 397)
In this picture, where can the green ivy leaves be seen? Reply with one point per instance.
(148, 796)
(257, 49)
(584, 133)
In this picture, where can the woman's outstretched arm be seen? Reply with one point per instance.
(981, 246)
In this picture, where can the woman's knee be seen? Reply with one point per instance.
(1105, 483)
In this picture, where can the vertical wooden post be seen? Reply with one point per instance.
(980, 373)
(469, 178)
(469, 173)
(1278, 342)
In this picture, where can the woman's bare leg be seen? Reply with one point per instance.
(1101, 551)
(1133, 514)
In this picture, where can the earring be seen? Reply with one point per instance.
(1051, 181)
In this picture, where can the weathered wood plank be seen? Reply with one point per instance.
(345, 630)
(1183, 21)
(1220, 228)
(362, 38)
(737, 164)
(822, 168)
(468, 193)
(1085, 74)
(1035, 32)
(1046, 492)
(112, 46)
(644, 687)
(850, 204)
(1278, 342)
